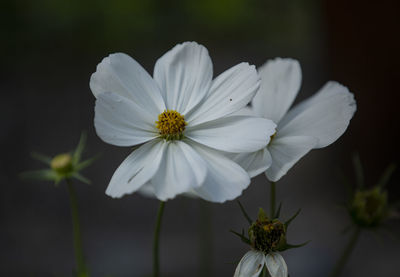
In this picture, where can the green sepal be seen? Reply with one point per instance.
(41, 175)
(42, 158)
(241, 236)
(288, 246)
(358, 169)
(262, 216)
(292, 218)
(278, 212)
(86, 163)
(81, 178)
(76, 156)
(245, 214)
(386, 175)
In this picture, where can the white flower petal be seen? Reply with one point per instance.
(280, 83)
(250, 265)
(248, 110)
(121, 74)
(234, 133)
(137, 169)
(225, 179)
(147, 190)
(325, 115)
(121, 122)
(229, 92)
(181, 170)
(254, 163)
(276, 265)
(285, 152)
(184, 75)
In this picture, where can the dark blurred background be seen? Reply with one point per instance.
(49, 49)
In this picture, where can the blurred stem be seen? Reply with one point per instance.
(264, 272)
(80, 261)
(272, 199)
(205, 240)
(346, 253)
(156, 259)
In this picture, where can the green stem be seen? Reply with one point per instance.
(205, 240)
(80, 261)
(346, 253)
(156, 260)
(272, 200)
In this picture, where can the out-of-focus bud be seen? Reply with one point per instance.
(369, 207)
(62, 166)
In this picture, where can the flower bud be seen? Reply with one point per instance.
(267, 235)
(62, 164)
(369, 207)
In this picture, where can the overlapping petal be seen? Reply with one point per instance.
(325, 115)
(229, 92)
(120, 121)
(225, 179)
(246, 134)
(182, 169)
(137, 169)
(276, 265)
(184, 75)
(119, 73)
(285, 152)
(250, 265)
(254, 163)
(280, 83)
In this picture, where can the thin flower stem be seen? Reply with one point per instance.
(346, 253)
(205, 240)
(156, 260)
(272, 200)
(80, 261)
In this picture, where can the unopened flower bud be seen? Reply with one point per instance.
(369, 207)
(62, 164)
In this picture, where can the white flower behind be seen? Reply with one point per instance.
(314, 123)
(184, 121)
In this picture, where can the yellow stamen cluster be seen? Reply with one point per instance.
(268, 227)
(171, 125)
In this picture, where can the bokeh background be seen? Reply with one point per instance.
(49, 49)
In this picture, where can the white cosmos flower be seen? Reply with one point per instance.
(183, 119)
(314, 123)
(253, 262)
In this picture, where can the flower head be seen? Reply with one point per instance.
(62, 166)
(182, 119)
(267, 237)
(313, 123)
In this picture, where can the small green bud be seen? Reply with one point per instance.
(369, 207)
(267, 235)
(62, 164)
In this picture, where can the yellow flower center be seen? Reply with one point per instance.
(171, 125)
